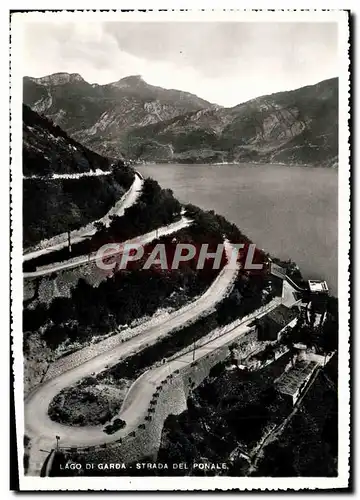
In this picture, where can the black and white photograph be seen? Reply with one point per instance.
(180, 238)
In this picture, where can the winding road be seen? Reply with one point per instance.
(42, 430)
(91, 173)
(61, 240)
(138, 397)
(84, 259)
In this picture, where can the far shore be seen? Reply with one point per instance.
(218, 164)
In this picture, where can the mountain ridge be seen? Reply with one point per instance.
(130, 118)
(295, 127)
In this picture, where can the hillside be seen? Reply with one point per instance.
(55, 200)
(306, 447)
(133, 119)
(48, 150)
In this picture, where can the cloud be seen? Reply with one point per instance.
(226, 63)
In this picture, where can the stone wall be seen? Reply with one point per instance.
(318, 358)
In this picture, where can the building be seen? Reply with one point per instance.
(293, 382)
(277, 270)
(270, 326)
(289, 296)
(318, 287)
(319, 293)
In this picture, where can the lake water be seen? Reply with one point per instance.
(291, 212)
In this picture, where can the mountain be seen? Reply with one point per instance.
(145, 123)
(100, 116)
(62, 178)
(299, 126)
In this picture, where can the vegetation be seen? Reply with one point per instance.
(84, 405)
(62, 407)
(226, 311)
(309, 444)
(155, 207)
(128, 295)
(51, 205)
(48, 150)
(119, 300)
(230, 412)
(232, 409)
(323, 337)
(55, 206)
(226, 409)
(115, 426)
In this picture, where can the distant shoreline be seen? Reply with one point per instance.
(335, 166)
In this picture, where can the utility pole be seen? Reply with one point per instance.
(69, 241)
(57, 443)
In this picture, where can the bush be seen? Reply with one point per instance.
(88, 381)
(115, 426)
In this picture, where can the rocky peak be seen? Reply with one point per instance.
(129, 81)
(59, 79)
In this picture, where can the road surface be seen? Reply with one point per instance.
(91, 173)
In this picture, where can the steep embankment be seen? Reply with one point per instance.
(61, 181)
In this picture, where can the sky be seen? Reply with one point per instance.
(225, 63)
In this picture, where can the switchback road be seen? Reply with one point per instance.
(42, 430)
(84, 259)
(60, 241)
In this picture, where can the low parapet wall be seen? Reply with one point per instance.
(321, 359)
(48, 464)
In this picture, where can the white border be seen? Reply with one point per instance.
(186, 483)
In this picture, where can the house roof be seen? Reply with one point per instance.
(281, 316)
(291, 381)
(318, 286)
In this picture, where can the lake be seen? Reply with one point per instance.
(291, 212)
